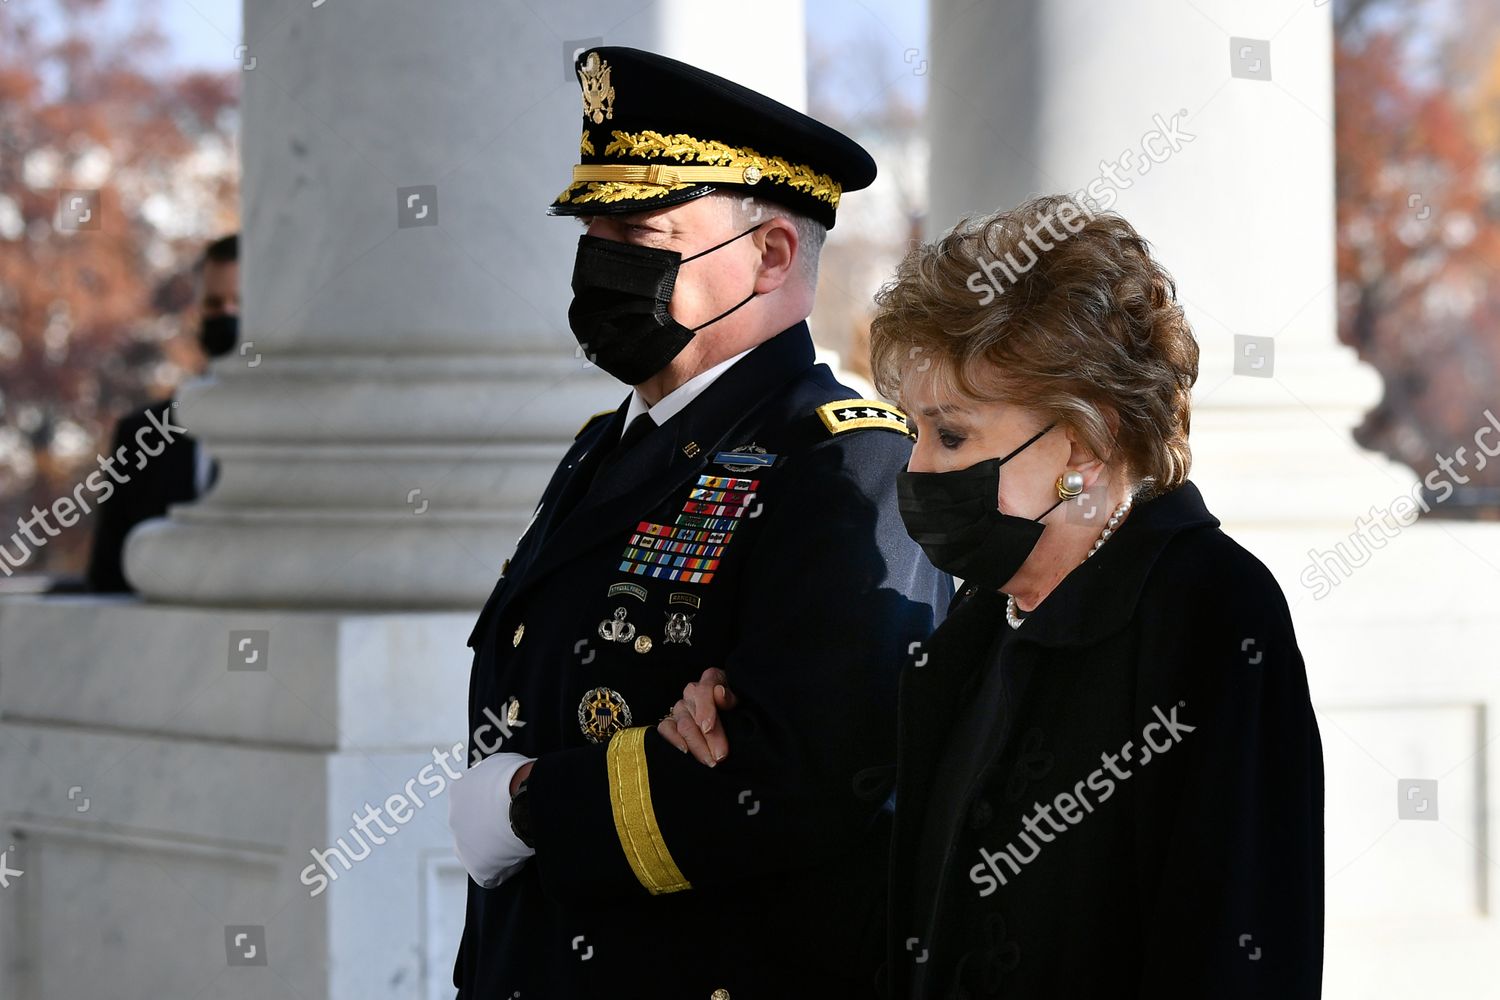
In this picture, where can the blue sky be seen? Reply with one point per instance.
(197, 29)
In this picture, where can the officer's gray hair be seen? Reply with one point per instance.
(749, 211)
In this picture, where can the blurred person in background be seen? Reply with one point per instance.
(182, 471)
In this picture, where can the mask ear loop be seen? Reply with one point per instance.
(704, 253)
(1049, 510)
(1027, 444)
(710, 250)
(726, 312)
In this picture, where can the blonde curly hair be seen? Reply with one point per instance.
(1060, 310)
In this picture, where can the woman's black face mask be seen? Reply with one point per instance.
(619, 314)
(955, 518)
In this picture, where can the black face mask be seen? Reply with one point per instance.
(219, 334)
(955, 518)
(619, 313)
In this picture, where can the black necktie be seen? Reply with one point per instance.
(639, 428)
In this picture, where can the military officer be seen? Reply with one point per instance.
(736, 512)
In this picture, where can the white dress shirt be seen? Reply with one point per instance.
(677, 400)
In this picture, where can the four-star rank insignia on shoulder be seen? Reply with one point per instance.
(852, 414)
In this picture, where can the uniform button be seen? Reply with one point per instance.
(719, 994)
(643, 644)
(515, 640)
(981, 815)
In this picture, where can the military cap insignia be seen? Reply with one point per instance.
(601, 713)
(852, 414)
(598, 93)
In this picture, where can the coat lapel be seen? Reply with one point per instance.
(565, 490)
(581, 469)
(568, 481)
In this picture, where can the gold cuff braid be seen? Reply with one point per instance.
(635, 818)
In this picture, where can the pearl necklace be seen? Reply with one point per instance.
(1013, 620)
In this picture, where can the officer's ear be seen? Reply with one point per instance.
(777, 242)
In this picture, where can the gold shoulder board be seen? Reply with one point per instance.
(590, 422)
(853, 414)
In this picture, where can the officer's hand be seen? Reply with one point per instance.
(692, 725)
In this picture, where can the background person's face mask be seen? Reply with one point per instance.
(218, 335)
(619, 314)
(955, 518)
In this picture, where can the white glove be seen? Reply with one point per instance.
(479, 817)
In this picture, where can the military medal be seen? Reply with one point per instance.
(616, 629)
(750, 458)
(602, 713)
(679, 627)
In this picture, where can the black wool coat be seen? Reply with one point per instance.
(153, 483)
(1147, 819)
(655, 876)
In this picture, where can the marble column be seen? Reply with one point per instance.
(407, 376)
(1235, 102)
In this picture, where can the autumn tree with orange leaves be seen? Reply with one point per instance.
(1418, 186)
(114, 172)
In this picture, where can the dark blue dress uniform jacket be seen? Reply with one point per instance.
(655, 876)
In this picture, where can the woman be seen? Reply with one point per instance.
(1110, 777)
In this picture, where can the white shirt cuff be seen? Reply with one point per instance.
(479, 818)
